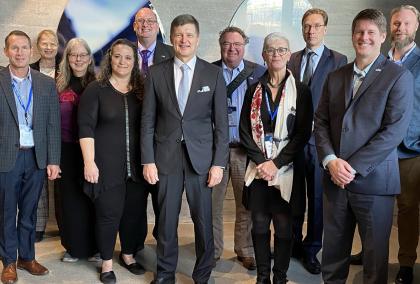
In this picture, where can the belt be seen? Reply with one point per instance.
(26, 148)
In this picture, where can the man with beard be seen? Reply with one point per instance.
(404, 24)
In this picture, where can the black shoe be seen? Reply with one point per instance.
(39, 236)
(405, 275)
(297, 251)
(108, 277)
(357, 259)
(135, 268)
(312, 265)
(170, 280)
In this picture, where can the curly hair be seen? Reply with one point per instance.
(65, 71)
(136, 80)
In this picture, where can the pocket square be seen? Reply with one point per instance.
(204, 89)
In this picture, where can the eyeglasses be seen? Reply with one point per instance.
(281, 51)
(316, 27)
(146, 21)
(82, 56)
(227, 45)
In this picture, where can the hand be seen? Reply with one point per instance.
(267, 170)
(150, 173)
(341, 172)
(53, 172)
(215, 176)
(91, 172)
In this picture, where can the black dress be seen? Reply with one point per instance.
(76, 209)
(259, 196)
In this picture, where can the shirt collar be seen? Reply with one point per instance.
(178, 63)
(151, 47)
(391, 54)
(18, 79)
(364, 71)
(318, 51)
(239, 68)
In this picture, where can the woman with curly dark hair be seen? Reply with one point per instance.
(109, 125)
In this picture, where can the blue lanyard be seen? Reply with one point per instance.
(272, 114)
(25, 108)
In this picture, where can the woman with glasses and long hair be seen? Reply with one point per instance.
(276, 122)
(76, 209)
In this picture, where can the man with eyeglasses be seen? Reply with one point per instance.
(239, 74)
(311, 66)
(150, 50)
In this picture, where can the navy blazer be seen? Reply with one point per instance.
(203, 125)
(410, 146)
(330, 61)
(366, 130)
(46, 121)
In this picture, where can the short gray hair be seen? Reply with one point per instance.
(274, 36)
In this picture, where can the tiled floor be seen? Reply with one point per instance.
(227, 271)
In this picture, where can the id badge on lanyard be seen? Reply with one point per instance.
(231, 114)
(268, 145)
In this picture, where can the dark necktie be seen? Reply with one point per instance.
(307, 74)
(145, 54)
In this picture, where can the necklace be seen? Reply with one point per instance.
(272, 85)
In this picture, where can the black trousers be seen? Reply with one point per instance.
(120, 207)
(170, 189)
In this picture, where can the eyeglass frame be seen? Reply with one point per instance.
(82, 56)
(142, 21)
(280, 51)
(227, 44)
(306, 28)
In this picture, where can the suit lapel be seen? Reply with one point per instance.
(6, 84)
(297, 64)
(195, 84)
(159, 56)
(348, 88)
(168, 73)
(373, 73)
(322, 64)
(36, 89)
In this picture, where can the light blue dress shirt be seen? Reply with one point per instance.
(315, 59)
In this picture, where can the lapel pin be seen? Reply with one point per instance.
(378, 70)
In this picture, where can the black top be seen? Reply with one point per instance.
(105, 114)
(300, 131)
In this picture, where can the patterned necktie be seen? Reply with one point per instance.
(145, 54)
(357, 81)
(184, 88)
(307, 74)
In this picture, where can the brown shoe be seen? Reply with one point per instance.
(32, 266)
(248, 262)
(9, 275)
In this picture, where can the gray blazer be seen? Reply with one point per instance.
(410, 147)
(46, 121)
(366, 130)
(204, 124)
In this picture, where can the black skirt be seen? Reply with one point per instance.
(259, 197)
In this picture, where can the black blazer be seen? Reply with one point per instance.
(204, 124)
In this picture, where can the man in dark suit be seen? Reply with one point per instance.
(311, 66)
(403, 26)
(363, 115)
(29, 148)
(239, 74)
(149, 49)
(184, 142)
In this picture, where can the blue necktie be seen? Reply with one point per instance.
(184, 88)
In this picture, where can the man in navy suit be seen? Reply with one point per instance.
(311, 66)
(30, 142)
(362, 117)
(403, 26)
(184, 144)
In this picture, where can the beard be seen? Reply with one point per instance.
(401, 43)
